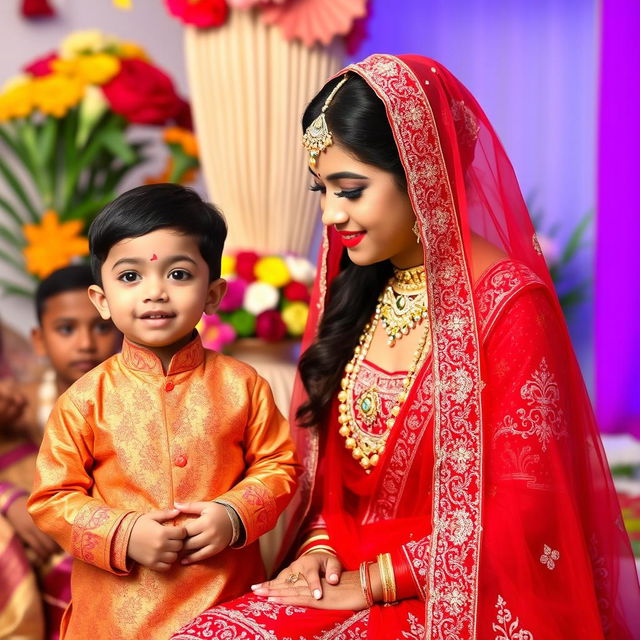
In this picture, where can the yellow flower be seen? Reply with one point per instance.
(87, 41)
(95, 68)
(228, 266)
(125, 5)
(16, 101)
(272, 270)
(55, 94)
(183, 137)
(132, 50)
(294, 316)
(52, 244)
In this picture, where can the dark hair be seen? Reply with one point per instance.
(76, 277)
(145, 209)
(358, 122)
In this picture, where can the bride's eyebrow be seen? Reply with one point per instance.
(342, 175)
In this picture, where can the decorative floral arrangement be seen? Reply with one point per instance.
(267, 297)
(64, 148)
(311, 21)
(571, 288)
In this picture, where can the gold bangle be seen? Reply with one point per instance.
(320, 536)
(365, 583)
(387, 578)
(324, 548)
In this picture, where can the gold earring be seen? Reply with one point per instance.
(416, 230)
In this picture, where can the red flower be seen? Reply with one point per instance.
(184, 118)
(201, 13)
(245, 264)
(270, 326)
(37, 9)
(41, 66)
(142, 93)
(296, 292)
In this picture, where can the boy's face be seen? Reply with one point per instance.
(73, 335)
(155, 288)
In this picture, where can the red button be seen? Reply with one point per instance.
(169, 386)
(181, 461)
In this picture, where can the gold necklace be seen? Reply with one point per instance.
(365, 447)
(403, 304)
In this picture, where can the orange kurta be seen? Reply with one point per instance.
(128, 438)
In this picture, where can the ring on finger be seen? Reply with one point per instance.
(293, 578)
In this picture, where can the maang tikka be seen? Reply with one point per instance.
(317, 137)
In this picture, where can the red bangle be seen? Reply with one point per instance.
(13, 496)
(405, 582)
(365, 583)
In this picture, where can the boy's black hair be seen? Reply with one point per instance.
(145, 209)
(76, 277)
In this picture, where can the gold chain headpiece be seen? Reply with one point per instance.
(317, 137)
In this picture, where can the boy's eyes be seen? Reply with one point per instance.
(174, 274)
(65, 329)
(128, 276)
(179, 274)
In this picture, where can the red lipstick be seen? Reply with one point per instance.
(351, 238)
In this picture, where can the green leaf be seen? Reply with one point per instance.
(9, 288)
(14, 146)
(89, 208)
(9, 259)
(116, 142)
(9, 209)
(18, 190)
(14, 241)
(576, 239)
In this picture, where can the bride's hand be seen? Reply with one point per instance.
(346, 596)
(303, 573)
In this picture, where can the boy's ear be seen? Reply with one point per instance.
(37, 341)
(215, 293)
(99, 300)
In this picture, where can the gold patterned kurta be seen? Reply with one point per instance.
(128, 438)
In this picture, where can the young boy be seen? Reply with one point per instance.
(73, 338)
(161, 467)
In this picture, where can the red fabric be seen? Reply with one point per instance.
(493, 484)
(496, 526)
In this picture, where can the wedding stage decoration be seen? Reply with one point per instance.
(65, 146)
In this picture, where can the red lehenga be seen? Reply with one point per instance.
(493, 484)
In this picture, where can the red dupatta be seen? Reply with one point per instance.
(485, 550)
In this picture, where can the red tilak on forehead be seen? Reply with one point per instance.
(153, 257)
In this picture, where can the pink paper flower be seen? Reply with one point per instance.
(215, 334)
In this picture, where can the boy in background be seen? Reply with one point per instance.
(73, 337)
(160, 469)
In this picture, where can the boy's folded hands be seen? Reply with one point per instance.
(157, 545)
(154, 544)
(208, 534)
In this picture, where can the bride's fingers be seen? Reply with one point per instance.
(283, 591)
(333, 570)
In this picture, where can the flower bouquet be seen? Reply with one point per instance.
(267, 297)
(64, 148)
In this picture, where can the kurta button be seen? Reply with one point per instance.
(180, 461)
(169, 386)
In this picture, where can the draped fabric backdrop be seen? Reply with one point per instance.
(249, 87)
(617, 263)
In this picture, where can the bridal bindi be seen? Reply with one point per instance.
(153, 257)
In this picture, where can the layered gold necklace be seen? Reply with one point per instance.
(366, 447)
(403, 304)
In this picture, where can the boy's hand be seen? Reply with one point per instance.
(40, 543)
(209, 533)
(154, 545)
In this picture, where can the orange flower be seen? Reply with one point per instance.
(55, 94)
(182, 137)
(52, 244)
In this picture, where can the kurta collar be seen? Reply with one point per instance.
(141, 359)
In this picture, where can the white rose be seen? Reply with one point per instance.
(301, 269)
(259, 297)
